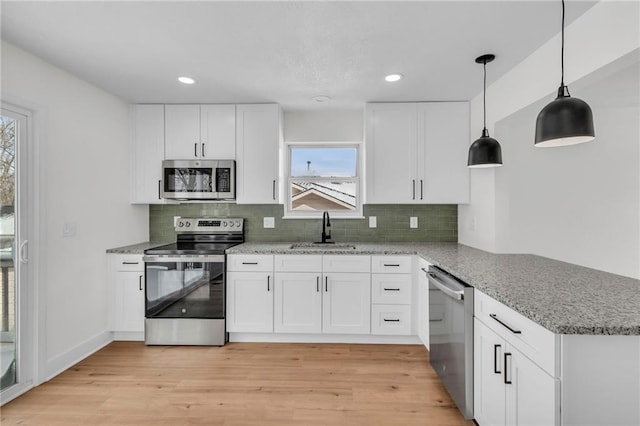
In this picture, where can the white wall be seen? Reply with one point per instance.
(605, 33)
(81, 143)
(323, 126)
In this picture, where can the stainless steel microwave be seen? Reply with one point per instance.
(199, 179)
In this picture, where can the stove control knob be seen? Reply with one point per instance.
(188, 224)
(238, 224)
(181, 224)
(224, 224)
(231, 224)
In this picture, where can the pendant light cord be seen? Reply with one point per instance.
(484, 95)
(563, 88)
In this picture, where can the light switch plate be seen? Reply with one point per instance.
(373, 222)
(413, 222)
(268, 222)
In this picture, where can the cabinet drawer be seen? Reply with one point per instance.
(391, 264)
(392, 289)
(533, 340)
(250, 262)
(128, 262)
(391, 319)
(298, 263)
(346, 263)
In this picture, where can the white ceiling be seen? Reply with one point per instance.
(287, 51)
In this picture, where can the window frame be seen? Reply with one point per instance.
(357, 213)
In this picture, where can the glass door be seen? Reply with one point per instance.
(16, 351)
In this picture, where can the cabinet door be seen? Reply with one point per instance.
(423, 304)
(297, 303)
(488, 380)
(182, 132)
(218, 132)
(531, 393)
(148, 153)
(257, 145)
(346, 303)
(129, 301)
(443, 135)
(250, 301)
(391, 141)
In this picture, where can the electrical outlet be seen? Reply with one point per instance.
(373, 222)
(268, 222)
(413, 222)
(69, 229)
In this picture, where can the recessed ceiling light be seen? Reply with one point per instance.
(186, 80)
(321, 99)
(393, 77)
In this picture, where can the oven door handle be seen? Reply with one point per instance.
(175, 258)
(457, 295)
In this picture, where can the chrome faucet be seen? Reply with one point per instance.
(326, 227)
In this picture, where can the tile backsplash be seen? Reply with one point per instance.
(436, 222)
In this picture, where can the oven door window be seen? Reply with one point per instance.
(188, 180)
(184, 290)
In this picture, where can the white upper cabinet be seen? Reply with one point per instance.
(444, 132)
(147, 155)
(417, 153)
(391, 144)
(257, 147)
(200, 132)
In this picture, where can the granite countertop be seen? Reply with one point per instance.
(562, 297)
(135, 248)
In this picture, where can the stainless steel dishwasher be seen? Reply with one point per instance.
(451, 336)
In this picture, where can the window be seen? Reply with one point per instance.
(323, 176)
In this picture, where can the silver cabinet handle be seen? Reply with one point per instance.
(140, 282)
(318, 284)
(195, 149)
(129, 263)
(391, 289)
(249, 263)
(505, 325)
(24, 252)
(421, 189)
(274, 189)
(391, 320)
(268, 280)
(202, 150)
(413, 186)
(391, 264)
(326, 284)
(159, 189)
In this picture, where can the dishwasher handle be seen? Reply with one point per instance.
(457, 295)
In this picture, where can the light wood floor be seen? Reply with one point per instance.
(128, 383)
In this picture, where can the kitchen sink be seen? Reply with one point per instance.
(322, 246)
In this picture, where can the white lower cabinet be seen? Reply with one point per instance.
(126, 275)
(250, 302)
(509, 388)
(297, 303)
(346, 303)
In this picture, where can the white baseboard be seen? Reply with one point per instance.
(131, 336)
(323, 338)
(74, 355)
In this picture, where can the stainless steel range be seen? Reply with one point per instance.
(185, 283)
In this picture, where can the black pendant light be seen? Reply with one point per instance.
(566, 120)
(485, 151)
